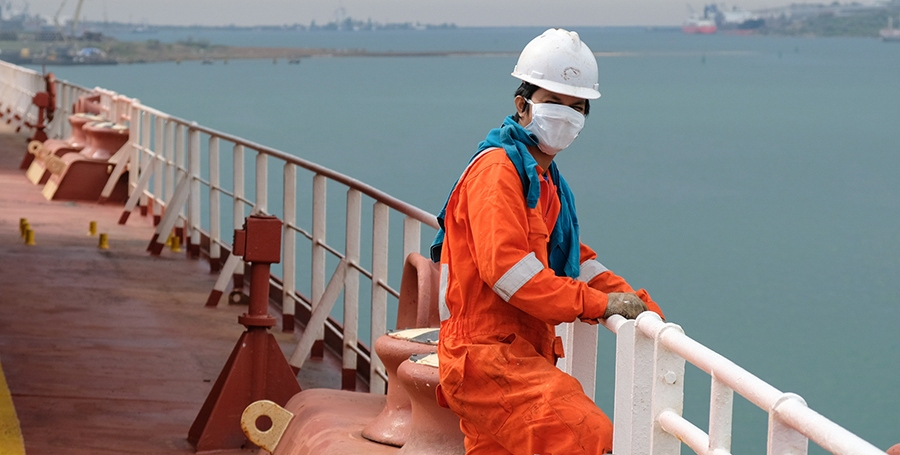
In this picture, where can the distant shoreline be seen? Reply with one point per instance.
(101, 49)
(141, 54)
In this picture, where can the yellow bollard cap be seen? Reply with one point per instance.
(29, 237)
(104, 242)
(92, 228)
(176, 244)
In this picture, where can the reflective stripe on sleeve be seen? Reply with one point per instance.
(517, 276)
(590, 269)
(442, 294)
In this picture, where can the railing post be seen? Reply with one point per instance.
(158, 151)
(643, 420)
(668, 389)
(63, 121)
(721, 406)
(118, 116)
(134, 138)
(583, 355)
(623, 410)
(412, 236)
(262, 184)
(112, 108)
(580, 347)
(194, 194)
(238, 158)
(180, 173)
(168, 159)
(180, 158)
(262, 180)
(318, 256)
(380, 227)
(351, 290)
(145, 150)
(215, 215)
(289, 277)
(784, 440)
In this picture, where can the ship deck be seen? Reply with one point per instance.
(107, 351)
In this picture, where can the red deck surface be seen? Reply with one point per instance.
(106, 351)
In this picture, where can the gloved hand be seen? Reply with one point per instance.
(626, 304)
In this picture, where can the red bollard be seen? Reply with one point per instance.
(257, 369)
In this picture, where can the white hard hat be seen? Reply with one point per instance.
(559, 62)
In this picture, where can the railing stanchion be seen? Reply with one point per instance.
(180, 157)
(62, 123)
(351, 290)
(262, 180)
(318, 256)
(642, 421)
(159, 147)
(668, 388)
(238, 157)
(180, 173)
(380, 226)
(624, 388)
(215, 215)
(194, 196)
(146, 162)
(134, 137)
(412, 236)
(721, 405)
(289, 274)
(168, 159)
(782, 439)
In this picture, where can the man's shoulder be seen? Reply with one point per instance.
(488, 159)
(491, 171)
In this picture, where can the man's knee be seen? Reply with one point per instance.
(570, 424)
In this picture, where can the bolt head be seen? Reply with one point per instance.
(670, 377)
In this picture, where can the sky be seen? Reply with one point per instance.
(460, 12)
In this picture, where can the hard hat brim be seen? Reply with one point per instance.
(563, 89)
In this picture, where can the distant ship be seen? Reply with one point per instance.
(698, 25)
(735, 20)
(890, 33)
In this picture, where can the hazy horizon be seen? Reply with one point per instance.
(464, 13)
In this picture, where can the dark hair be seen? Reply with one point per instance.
(526, 90)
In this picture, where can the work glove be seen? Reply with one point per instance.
(626, 304)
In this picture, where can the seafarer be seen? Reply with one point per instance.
(512, 268)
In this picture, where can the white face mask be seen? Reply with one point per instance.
(555, 126)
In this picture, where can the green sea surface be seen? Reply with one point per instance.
(749, 183)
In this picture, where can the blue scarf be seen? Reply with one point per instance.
(564, 249)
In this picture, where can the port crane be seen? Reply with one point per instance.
(74, 27)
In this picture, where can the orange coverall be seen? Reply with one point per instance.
(500, 303)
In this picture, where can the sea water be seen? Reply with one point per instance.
(749, 183)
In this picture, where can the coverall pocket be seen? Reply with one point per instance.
(538, 235)
(481, 394)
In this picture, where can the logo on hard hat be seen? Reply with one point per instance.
(571, 73)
